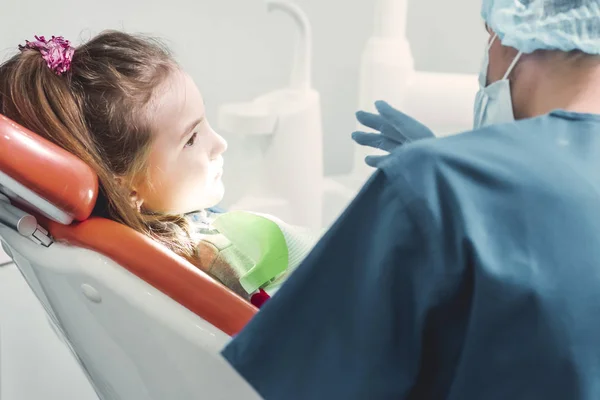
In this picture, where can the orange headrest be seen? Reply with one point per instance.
(36, 167)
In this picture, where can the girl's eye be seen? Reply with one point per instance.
(192, 140)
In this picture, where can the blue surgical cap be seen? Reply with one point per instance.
(530, 25)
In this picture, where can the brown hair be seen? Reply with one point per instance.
(99, 111)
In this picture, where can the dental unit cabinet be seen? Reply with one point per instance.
(283, 138)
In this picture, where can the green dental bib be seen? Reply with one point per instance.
(273, 246)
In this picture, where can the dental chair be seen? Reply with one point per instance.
(142, 322)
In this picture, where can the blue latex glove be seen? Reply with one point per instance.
(395, 129)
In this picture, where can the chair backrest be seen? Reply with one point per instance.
(143, 322)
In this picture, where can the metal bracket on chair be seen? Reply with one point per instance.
(25, 224)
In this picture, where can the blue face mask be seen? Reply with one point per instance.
(493, 103)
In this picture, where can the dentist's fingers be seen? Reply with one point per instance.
(375, 140)
(374, 161)
(409, 128)
(370, 120)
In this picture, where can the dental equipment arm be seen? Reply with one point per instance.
(301, 72)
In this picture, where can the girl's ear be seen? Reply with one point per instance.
(134, 198)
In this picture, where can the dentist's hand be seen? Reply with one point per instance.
(395, 129)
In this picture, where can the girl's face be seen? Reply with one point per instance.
(186, 158)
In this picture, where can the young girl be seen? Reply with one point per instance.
(123, 105)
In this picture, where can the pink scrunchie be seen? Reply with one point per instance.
(57, 52)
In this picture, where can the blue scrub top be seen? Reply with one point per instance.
(467, 268)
